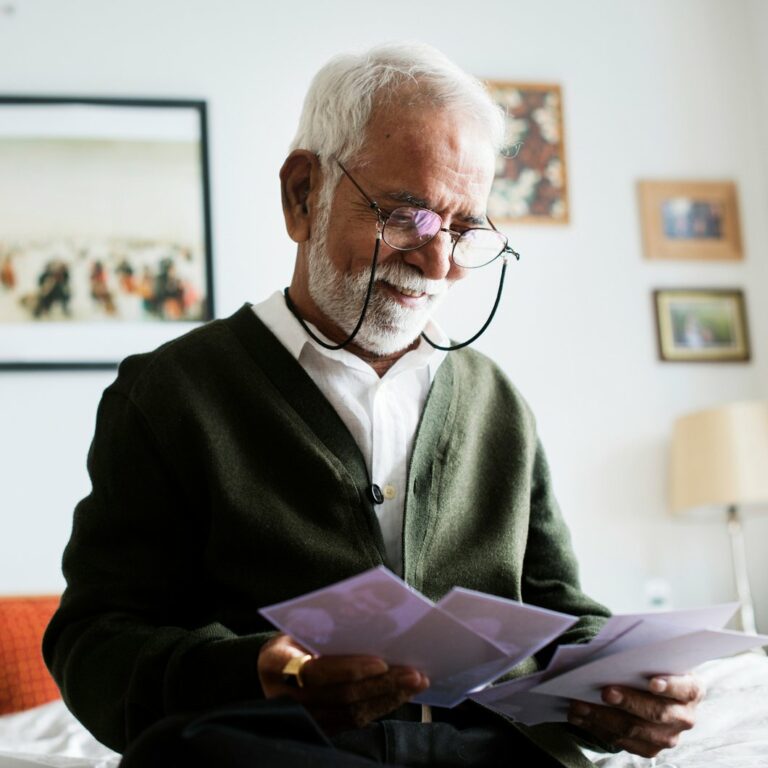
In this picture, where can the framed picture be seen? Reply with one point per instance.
(530, 184)
(696, 220)
(702, 325)
(105, 232)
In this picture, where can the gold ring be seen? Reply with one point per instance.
(293, 668)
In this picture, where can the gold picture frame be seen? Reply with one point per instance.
(530, 185)
(701, 325)
(690, 220)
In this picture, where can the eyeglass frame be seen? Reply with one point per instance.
(384, 216)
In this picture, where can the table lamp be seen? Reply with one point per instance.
(719, 461)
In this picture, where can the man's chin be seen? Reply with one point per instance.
(383, 342)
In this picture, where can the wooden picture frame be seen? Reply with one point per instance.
(690, 220)
(105, 241)
(701, 325)
(531, 183)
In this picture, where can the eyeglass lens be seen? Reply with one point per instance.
(408, 228)
(478, 247)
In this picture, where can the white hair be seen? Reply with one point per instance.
(344, 93)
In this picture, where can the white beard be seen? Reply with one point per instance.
(389, 327)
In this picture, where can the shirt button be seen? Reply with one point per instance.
(389, 491)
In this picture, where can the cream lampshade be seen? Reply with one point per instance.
(719, 461)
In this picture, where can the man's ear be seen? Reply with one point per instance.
(300, 180)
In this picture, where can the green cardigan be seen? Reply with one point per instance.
(224, 481)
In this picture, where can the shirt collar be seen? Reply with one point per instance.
(274, 313)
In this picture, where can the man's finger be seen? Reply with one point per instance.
(335, 670)
(316, 672)
(685, 688)
(618, 727)
(643, 748)
(398, 681)
(650, 706)
(635, 746)
(335, 719)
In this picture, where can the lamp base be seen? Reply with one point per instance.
(740, 574)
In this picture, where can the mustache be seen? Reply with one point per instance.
(405, 276)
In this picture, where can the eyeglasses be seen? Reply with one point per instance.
(409, 227)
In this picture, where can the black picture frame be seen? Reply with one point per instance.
(144, 164)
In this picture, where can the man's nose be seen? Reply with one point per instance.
(433, 259)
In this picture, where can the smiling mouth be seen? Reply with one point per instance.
(411, 294)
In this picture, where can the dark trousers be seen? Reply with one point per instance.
(281, 733)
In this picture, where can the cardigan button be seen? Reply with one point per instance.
(375, 494)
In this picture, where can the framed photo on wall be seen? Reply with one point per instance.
(531, 180)
(693, 220)
(105, 232)
(701, 325)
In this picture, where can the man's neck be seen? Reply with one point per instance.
(380, 363)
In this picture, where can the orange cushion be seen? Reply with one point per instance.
(24, 680)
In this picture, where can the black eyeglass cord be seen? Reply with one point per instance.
(485, 324)
(292, 307)
(374, 263)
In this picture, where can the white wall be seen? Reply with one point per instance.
(757, 18)
(652, 90)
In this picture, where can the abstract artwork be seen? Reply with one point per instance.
(105, 245)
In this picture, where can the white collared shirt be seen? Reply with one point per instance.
(381, 413)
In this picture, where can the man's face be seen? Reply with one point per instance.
(435, 157)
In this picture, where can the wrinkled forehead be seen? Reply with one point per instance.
(440, 157)
(418, 126)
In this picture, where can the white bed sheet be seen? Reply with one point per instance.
(731, 729)
(49, 735)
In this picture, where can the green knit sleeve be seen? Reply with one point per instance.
(550, 570)
(131, 642)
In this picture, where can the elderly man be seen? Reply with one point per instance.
(243, 464)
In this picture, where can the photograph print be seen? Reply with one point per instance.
(105, 244)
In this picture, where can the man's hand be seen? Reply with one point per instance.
(642, 722)
(340, 692)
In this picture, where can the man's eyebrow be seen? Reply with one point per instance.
(407, 197)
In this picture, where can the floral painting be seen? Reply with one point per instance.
(530, 183)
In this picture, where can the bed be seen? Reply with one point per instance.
(36, 728)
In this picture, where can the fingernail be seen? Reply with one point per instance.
(375, 667)
(575, 721)
(658, 685)
(613, 696)
(410, 678)
(580, 709)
